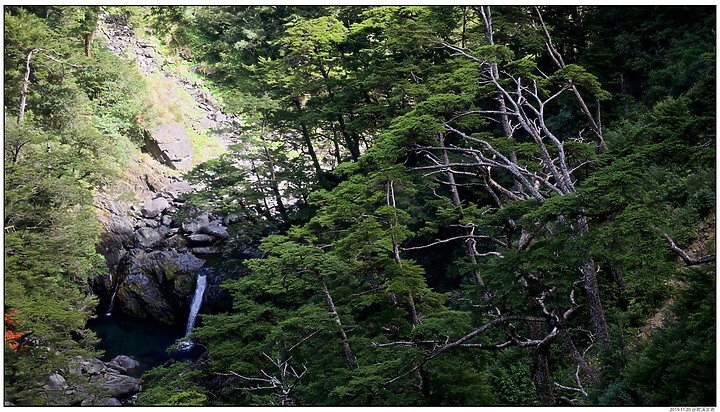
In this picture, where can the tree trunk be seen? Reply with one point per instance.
(348, 353)
(597, 314)
(470, 243)
(307, 140)
(273, 180)
(351, 143)
(588, 372)
(590, 283)
(541, 368)
(336, 145)
(88, 37)
(396, 255)
(25, 85)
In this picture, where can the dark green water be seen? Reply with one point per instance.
(144, 341)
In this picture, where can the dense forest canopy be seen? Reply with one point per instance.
(458, 205)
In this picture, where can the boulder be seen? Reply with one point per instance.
(121, 385)
(215, 230)
(205, 250)
(139, 296)
(170, 145)
(166, 220)
(124, 364)
(205, 123)
(92, 366)
(200, 239)
(153, 208)
(147, 237)
(175, 242)
(108, 402)
(177, 188)
(232, 218)
(193, 224)
(56, 382)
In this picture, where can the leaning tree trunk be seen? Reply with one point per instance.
(470, 243)
(350, 358)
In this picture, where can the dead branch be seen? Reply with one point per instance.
(689, 261)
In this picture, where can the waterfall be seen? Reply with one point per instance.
(196, 301)
(112, 298)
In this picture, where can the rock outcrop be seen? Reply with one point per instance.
(92, 382)
(155, 285)
(171, 146)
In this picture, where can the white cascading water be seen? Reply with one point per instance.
(112, 298)
(196, 302)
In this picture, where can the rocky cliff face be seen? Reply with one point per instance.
(153, 254)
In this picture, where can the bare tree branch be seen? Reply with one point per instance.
(689, 261)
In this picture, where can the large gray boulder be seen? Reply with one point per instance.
(153, 208)
(139, 295)
(108, 402)
(147, 237)
(118, 385)
(56, 382)
(194, 223)
(215, 230)
(170, 145)
(124, 364)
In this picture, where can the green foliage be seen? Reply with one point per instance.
(370, 243)
(174, 385)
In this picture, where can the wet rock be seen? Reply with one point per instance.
(139, 296)
(155, 285)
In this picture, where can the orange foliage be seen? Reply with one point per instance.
(11, 336)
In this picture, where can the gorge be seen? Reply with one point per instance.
(360, 205)
(157, 259)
